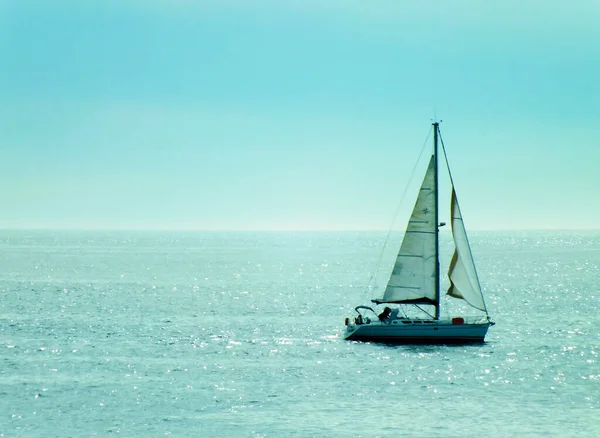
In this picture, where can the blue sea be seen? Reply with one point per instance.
(196, 334)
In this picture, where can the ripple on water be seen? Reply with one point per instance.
(239, 335)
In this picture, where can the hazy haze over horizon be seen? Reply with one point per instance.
(297, 115)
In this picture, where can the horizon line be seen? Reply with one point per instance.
(269, 230)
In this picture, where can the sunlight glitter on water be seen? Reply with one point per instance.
(228, 367)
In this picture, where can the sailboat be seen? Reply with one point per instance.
(415, 278)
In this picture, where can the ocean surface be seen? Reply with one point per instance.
(193, 334)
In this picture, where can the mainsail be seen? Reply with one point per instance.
(413, 276)
(464, 282)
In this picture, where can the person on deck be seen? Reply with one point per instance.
(385, 315)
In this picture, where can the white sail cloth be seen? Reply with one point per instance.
(464, 282)
(413, 276)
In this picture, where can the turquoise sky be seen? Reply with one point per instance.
(295, 114)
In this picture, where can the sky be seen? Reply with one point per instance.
(296, 114)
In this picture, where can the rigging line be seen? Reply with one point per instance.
(395, 217)
(403, 311)
(446, 158)
(423, 310)
(451, 219)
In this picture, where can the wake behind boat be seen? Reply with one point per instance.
(415, 278)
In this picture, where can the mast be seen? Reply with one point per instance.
(437, 228)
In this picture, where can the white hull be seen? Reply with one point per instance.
(418, 332)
